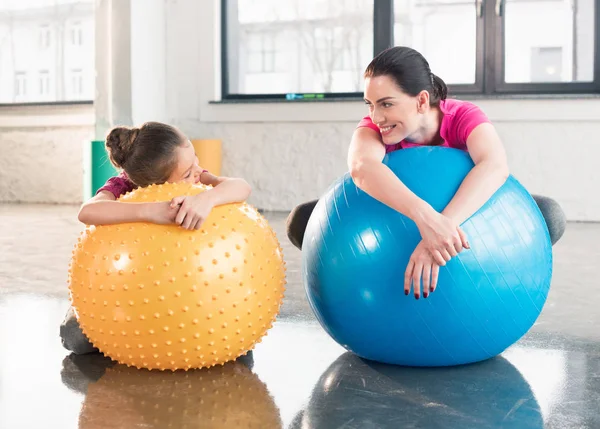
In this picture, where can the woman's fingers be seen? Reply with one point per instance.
(435, 272)
(426, 279)
(408, 276)
(416, 279)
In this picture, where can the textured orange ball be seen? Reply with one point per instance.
(162, 297)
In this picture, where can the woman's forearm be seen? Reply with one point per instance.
(476, 189)
(113, 212)
(377, 180)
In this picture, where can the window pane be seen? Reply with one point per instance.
(41, 41)
(298, 46)
(444, 31)
(549, 41)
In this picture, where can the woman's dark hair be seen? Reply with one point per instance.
(411, 72)
(146, 154)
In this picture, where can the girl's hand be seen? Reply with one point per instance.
(421, 266)
(193, 211)
(160, 213)
(441, 237)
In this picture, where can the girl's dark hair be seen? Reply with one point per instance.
(411, 72)
(146, 154)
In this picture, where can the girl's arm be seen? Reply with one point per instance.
(442, 237)
(104, 210)
(225, 189)
(489, 174)
(194, 210)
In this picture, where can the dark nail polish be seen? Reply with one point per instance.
(405, 292)
(425, 295)
(416, 296)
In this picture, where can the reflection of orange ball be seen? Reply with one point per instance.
(156, 296)
(228, 396)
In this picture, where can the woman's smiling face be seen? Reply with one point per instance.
(392, 110)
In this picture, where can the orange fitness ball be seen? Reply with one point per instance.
(162, 297)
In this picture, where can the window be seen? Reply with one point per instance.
(76, 82)
(319, 48)
(261, 52)
(41, 41)
(20, 86)
(295, 48)
(44, 37)
(445, 32)
(76, 34)
(44, 81)
(546, 65)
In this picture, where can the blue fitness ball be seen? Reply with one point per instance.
(356, 249)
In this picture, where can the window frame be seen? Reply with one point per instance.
(47, 27)
(494, 10)
(490, 52)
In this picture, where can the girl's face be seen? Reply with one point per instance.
(397, 114)
(187, 168)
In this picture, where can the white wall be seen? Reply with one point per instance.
(290, 152)
(41, 152)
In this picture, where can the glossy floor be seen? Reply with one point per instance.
(297, 377)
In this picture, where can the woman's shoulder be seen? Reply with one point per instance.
(455, 106)
(460, 119)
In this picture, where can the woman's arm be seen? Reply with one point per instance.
(365, 158)
(442, 237)
(104, 210)
(488, 175)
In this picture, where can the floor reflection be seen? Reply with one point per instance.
(355, 393)
(117, 396)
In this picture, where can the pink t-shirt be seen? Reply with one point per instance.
(120, 185)
(460, 118)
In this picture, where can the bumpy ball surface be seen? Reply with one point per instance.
(162, 297)
(356, 250)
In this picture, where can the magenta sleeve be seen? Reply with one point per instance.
(117, 185)
(368, 123)
(466, 118)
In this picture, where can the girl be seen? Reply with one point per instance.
(152, 154)
(408, 108)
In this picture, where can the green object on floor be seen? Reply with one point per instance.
(97, 168)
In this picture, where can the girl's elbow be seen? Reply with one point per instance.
(83, 215)
(244, 188)
(247, 189)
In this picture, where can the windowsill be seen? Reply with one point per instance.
(467, 97)
(47, 103)
(499, 108)
(63, 114)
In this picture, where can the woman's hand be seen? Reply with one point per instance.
(421, 266)
(441, 236)
(193, 210)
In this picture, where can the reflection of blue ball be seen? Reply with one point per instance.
(490, 394)
(355, 252)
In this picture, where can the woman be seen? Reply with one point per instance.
(408, 108)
